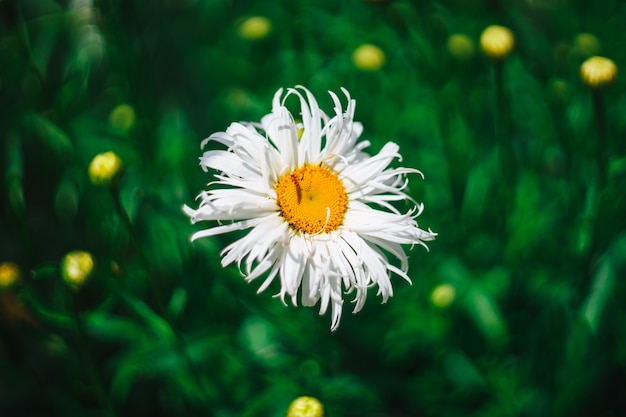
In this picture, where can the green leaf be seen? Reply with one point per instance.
(461, 371)
(50, 135)
(479, 182)
(603, 284)
(43, 312)
(177, 302)
(15, 173)
(485, 312)
(67, 196)
(105, 326)
(156, 324)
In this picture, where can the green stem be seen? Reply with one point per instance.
(506, 163)
(153, 280)
(90, 369)
(119, 209)
(598, 181)
(601, 155)
(505, 152)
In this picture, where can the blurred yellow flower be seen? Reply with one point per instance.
(460, 46)
(305, 407)
(598, 72)
(122, 117)
(559, 88)
(497, 42)
(105, 168)
(443, 295)
(586, 45)
(76, 267)
(9, 274)
(255, 27)
(368, 57)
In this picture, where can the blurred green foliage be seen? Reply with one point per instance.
(529, 318)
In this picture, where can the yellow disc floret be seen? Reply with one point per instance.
(312, 199)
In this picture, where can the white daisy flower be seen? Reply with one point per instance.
(318, 208)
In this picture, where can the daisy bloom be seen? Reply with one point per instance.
(319, 210)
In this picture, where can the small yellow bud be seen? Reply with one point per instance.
(598, 72)
(443, 295)
(9, 274)
(122, 117)
(305, 407)
(586, 45)
(559, 88)
(497, 42)
(76, 267)
(105, 168)
(368, 57)
(255, 27)
(460, 46)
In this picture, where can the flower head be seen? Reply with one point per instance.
(105, 168)
(9, 274)
(76, 267)
(443, 295)
(586, 45)
(318, 208)
(368, 57)
(460, 46)
(598, 72)
(255, 27)
(122, 117)
(497, 42)
(305, 407)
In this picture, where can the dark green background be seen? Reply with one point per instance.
(534, 244)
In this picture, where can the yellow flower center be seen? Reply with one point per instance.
(312, 199)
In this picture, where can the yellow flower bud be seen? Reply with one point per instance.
(598, 72)
(105, 168)
(559, 88)
(368, 57)
(122, 117)
(460, 46)
(586, 45)
(497, 42)
(443, 295)
(9, 274)
(76, 267)
(305, 407)
(255, 27)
